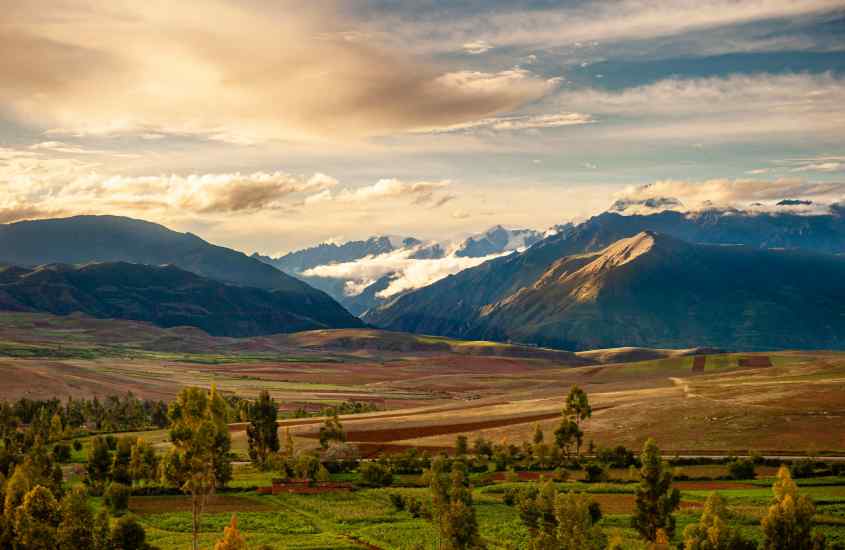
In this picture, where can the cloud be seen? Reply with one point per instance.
(577, 24)
(737, 107)
(477, 47)
(726, 193)
(408, 273)
(240, 72)
(515, 123)
(821, 163)
(420, 192)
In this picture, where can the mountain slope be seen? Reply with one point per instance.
(471, 290)
(166, 296)
(653, 290)
(84, 239)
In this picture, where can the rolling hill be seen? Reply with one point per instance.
(166, 296)
(648, 290)
(85, 239)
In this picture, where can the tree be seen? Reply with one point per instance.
(76, 529)
(99, 464)
(57, 431)
(117, 498)
(263, 431)
(199, 459)
(789, 522)
(741, 469)
(576, 411)
(375, 474)
(461, 445)
(128, 534)
(36, 520)
(290, 447)
(656, 500)
(577, 517)
(232, 538)
(452, 506)
(143, 462)
(332, 430)
(538, 434)
(712, 532)
(102, 531)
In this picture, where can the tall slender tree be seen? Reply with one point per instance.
(655, 498)
(199, 460)
(263, 431)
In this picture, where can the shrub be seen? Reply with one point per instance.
(77, 445)
(802, 468)
(61, 452)
(596, 472)
(397, 501)
(375, 474)
(741, 469)
(117, 498)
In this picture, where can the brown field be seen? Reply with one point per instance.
(434, 389)
(215, 504)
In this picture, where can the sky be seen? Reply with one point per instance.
(269, 125)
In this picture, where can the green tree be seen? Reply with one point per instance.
(263, 431)
(332, 430)
(538, 434)
(232, 538)
(99, 464)
(576, 411)
(76, 529)
(655, 498)
(199, 459)
(789, 522)
(713, 532)
(117, 498)
(143, 462)
(102, 531)
(461, 445)
(128, 534)
(452, 506)
(36, 520)
(57, 431)
(375, 474)
(577, 527)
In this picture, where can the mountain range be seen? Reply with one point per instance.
(511, 297)
(109, 239)
(338, 268)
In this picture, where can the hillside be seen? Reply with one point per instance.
(165, 296)
(471, 290)
(656, 291)
(84, 239)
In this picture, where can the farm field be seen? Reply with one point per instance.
(429, 390)
(365, 518)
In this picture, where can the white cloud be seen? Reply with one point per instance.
(726, 193)
(420, 192)
(515, 123)
(736, 107)
(231, 71)
(584, 24)
(477, 47)
(409, 273)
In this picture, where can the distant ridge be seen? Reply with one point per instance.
(166, 296)
(85, 239)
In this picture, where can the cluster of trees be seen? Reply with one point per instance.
(347, 407)
(54, 419)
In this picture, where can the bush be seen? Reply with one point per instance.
(802, 468)
(509, 496)
(77, 445)
(375, 474)
(111, 442)
(61, 452)
(397, 501)
(596, 473)
(741, 469)
(414, 507)
(129, 535)
(117, 498)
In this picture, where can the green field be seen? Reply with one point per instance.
(366, 517)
